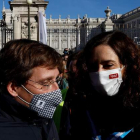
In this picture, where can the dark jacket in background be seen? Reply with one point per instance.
(18, 122)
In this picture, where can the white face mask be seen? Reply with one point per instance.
(107, 82)
(45, 103)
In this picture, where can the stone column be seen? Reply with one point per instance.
(50, 38)
(60, 39)
(78, 36)
(86, 35)
(17, 27)
(78, 39)
(68, 45)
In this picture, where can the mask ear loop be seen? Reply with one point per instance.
(27, 90)
(23, 100)
(120, 81)
(122, 67)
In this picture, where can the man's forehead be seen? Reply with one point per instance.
(45, 73)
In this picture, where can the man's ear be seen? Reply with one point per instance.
(12, 89)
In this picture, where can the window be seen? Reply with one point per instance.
(55, 31)
(64, 30)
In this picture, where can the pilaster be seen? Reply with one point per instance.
(17, 27)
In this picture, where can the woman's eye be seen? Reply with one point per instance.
(108, 66)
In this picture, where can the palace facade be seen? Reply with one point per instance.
(64, 33)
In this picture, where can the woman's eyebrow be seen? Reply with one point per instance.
(107, 61)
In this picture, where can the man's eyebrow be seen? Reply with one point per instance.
(47, 78)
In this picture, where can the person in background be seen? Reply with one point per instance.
(65, 58)
(66, 51)
(113, 99)
(58, 117)
(75, 98)
(75, 67)
(63, 85)
(29, 93)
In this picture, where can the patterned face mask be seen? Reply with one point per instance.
(45, 104)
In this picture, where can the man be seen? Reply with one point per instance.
(29, 93)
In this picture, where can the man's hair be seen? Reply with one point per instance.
(128, 55)
(19, 57)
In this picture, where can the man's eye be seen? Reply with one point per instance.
(44, 83)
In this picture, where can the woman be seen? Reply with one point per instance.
(113, 101)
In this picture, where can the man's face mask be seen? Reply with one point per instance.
(45, 104)
(107, 82)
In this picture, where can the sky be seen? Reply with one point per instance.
(93, 8)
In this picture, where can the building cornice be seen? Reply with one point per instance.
(23, 4)
(133, 14)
